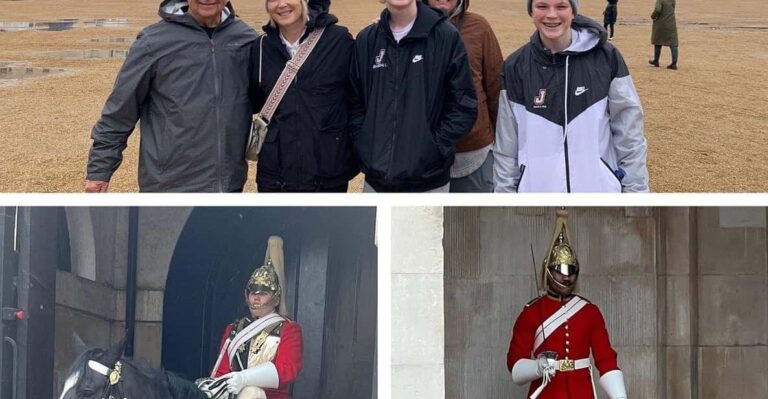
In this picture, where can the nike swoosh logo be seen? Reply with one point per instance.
(417, 59)
(580, 91)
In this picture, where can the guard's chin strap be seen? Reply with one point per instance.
(112, 389)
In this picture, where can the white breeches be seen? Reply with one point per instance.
(251, 392)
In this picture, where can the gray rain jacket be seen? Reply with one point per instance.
(190, 93)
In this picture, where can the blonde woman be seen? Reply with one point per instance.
(307, 147)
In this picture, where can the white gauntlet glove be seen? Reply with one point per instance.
(528, 370)
(262, 376)
(547, 366)
(613, 384)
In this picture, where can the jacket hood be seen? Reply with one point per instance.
(318, 16)
(177, 11)
(461, 7)
(427, 18)
(586, 35)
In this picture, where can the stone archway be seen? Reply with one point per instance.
(330, 271)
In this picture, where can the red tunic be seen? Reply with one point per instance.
(288, 359)
(584, 330)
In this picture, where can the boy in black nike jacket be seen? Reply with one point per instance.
(413, 101)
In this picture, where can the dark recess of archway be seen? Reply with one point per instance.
(330, 262)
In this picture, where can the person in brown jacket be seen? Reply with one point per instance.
(472, 170)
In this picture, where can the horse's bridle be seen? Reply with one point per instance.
(112, 389)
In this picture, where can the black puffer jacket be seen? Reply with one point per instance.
(414, 100)
(307, 146)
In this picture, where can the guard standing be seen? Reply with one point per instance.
(555, 333)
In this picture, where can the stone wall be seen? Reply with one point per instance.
(417, 303)
(732, 311)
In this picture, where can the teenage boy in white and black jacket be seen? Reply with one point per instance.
(414, 99)
(570, 119)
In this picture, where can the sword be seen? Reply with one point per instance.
(535, 276)
(221, 355)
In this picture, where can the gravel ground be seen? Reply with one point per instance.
(705, 123)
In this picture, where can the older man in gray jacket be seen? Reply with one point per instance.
(186, 79)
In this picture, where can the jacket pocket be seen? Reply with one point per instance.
(332, 151)
(522, 174)
(610, 179)
(610, 170)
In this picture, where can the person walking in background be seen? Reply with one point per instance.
(413, 99)
(472, 171)
(570, 119)
(664, 31)
(610, 15)
(307, 147)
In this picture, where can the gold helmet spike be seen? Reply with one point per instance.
(270, 276)
(560, 254)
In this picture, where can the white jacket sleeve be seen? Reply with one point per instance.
(506, 170)
(626, 119)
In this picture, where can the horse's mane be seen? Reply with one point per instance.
(182, 389)
(179, 387)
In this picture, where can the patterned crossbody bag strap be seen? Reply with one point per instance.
(289, 72)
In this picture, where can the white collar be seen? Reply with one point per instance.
(292, 47)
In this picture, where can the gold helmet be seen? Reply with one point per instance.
(270, 277)
(560, 256)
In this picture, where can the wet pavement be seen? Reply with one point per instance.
(86, 53)
(110, 40)
(12, 71)
(63, 24)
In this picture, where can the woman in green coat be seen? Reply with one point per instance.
(664, 31)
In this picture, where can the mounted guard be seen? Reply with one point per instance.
(261, 353)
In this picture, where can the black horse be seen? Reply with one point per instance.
(99, 373)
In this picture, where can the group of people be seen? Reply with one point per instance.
(421, 101)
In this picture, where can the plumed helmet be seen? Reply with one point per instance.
(270, 277)
(560, 254)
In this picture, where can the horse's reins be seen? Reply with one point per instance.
(112, 389)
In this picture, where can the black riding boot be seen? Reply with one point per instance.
(673, 65)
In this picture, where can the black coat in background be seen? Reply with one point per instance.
(307, 147)
(611, 12)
